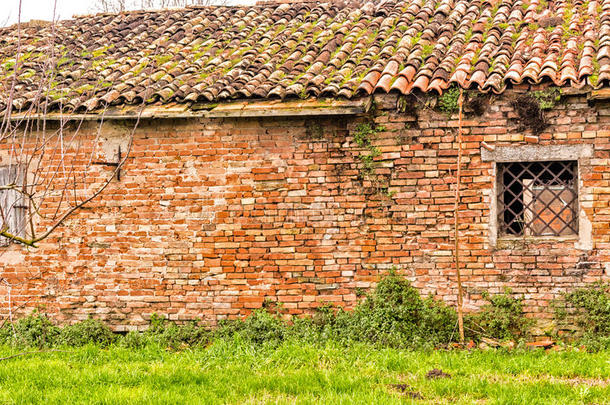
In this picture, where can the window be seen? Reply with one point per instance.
(12, 204)
(538, 198)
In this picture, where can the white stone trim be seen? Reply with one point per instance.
(539, 153)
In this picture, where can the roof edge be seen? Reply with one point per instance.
(239, 109)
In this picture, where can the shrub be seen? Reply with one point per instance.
(174, 336)
(90, 331)
(592, 308)
(391, 315)
(501, 318)
(261, 326)
(589, 309)
(34, 330)
(134, 340)
(394, 315)
(439, 322)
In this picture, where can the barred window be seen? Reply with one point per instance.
(538, 198)
(12, 204)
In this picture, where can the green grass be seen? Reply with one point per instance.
(294, 372)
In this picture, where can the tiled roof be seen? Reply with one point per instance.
(307, 50)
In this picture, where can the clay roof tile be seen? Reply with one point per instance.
(290, 50)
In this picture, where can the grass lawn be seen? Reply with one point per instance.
(294, 372)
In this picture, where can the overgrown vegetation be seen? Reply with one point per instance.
(363, 137)
(589, 309)
(530, 108)
(474, 101)
(448, 101)
(392, 315)
(502, 318)
(548, 98)
(529, 114)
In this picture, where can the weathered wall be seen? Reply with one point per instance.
(213, 217)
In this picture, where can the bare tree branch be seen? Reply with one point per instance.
(116, 6)
(49, 171)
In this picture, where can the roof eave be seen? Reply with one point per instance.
(238, 109)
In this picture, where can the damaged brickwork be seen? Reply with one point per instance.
(214, 217)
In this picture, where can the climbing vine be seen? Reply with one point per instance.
(363, 137)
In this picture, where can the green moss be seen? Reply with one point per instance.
(548, 98)
(27, 74)
(85, 88)
(9, 64)
(427, 50)
(62, 61)
(162, 59)
(101, 51)
(415, 39)
(474, 59)
(542, 5)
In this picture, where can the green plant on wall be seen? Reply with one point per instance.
(363, 137)
(548, 98)
(530, 108)
(448, 101)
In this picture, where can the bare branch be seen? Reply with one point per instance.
(116, 6)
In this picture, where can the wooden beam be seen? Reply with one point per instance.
(243, 109)
(601, 94)
(316, 107)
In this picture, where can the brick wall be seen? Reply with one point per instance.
(212, 217)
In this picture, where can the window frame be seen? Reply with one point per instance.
(21, 210)
(527, 228)
(581, 153)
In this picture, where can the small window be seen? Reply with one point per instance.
(538, 198)
(12, 204)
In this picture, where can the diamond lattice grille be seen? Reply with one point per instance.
(538, 198)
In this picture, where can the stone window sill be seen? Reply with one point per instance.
(507, 242)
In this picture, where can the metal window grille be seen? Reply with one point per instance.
(538, 198)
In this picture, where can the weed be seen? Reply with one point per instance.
(393, 315)
(174, 336)
(448, 101)
(86, 332)
(34, 330)
(501, 318)
(363, 138)
(547, 99)
(258, 328)
(427, 50)
(589, 309)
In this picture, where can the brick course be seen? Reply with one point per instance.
(214, 216)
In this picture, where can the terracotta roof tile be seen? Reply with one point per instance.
(308, 49)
